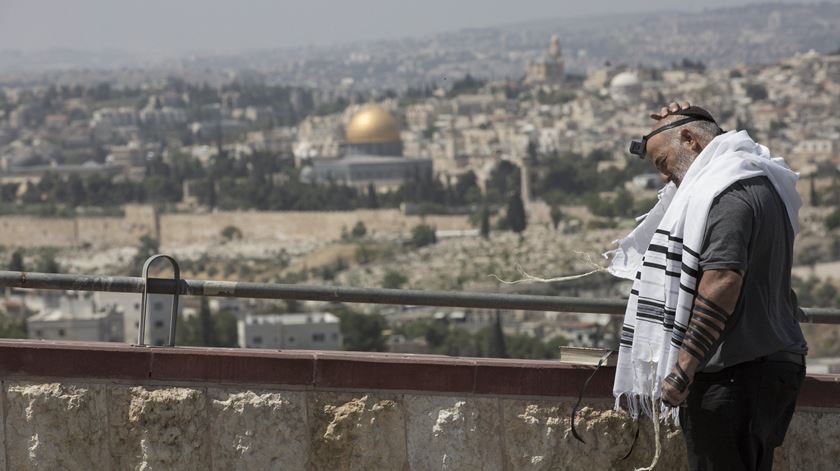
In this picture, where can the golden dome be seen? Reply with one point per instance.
(373, 125)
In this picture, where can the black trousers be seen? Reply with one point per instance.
(736, 417)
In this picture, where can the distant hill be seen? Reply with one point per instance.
(721, 37)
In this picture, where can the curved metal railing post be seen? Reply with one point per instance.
(141, 334)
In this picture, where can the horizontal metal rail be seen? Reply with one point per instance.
(234, 289)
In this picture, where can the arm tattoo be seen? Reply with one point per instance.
(705, 327)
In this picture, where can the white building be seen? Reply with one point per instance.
(98, 317)
(320, 331)
(76, 316)
(129, 306)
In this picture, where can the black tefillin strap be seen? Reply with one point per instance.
(705, 328)
(575, 434)
(678, 379)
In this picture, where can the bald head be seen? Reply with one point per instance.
(704, 131)
(673, 151)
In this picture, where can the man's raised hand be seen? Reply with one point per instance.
(669, 110)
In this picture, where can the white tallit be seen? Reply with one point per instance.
(661, 256)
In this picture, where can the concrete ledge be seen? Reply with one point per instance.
(329, 370)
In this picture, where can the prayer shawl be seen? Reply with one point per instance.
(661, 256)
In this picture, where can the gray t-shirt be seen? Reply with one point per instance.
(748, 230)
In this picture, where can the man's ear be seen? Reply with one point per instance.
(689, 139)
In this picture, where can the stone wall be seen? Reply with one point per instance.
(184, 229)
(85, 426)
(175, 230)
(93, 406)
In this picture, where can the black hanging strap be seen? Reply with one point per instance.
(601, 363)
(633, 443)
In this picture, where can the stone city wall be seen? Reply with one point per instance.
(184, 229)
(438, 420)
(176, 230)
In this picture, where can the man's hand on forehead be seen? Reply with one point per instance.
(666, 111)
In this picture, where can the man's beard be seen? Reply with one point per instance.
(683, 160)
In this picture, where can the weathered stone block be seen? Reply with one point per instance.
(538, 437)
(453, 433)
(258, 430)
(165, 428)
(812, 442)
(357, 432)
(56, 426)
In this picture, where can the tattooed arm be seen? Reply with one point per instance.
(717, 295)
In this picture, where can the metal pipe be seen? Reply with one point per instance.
(125, 284)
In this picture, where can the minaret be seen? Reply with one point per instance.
(554, 50)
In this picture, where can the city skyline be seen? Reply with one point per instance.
(220, 26)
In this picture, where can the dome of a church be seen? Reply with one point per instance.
(373, 125)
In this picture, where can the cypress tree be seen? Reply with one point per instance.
(498, 349)
(485, 222)
(516, 218)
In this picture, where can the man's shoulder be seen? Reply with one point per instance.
(749, 191)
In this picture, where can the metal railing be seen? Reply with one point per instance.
(235, 289)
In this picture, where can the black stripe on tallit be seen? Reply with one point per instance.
(650, 310)
(687, 289)
(651, 302)
(662, 249)
(627, 333)
(690, 271)
(670, 316)
(661, 267)
(693, 253)
(670, 237)
(654, 265)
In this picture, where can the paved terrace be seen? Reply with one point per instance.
(72, 405)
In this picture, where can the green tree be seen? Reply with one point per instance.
(485, 222)
(231, 233)
(516, 217)
(359, 230)
(459, 342)
(815, 199)
(16, 261)
(393, 280)
(148, 246)
(833, 220)
(556, 215)
(47, 262)
(225, 326)
(10, 328)
(188, 332)
(372, 197)
(207, 330)
(756, 91)
(363, 254)
(423, 235)
(623, 203)
(497, 347)
(362, 332)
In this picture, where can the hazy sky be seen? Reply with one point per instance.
(191, 25)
